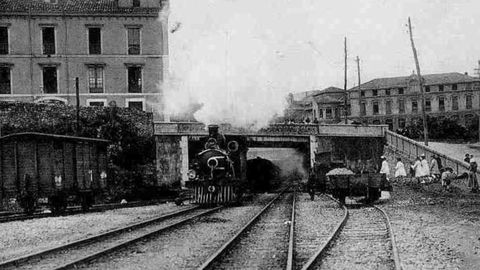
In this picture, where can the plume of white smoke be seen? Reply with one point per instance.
(238, 59)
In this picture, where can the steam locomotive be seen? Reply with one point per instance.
(217, 173)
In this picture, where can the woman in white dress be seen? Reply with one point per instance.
(400, 169)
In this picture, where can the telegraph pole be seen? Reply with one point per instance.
(359, 88)
(420, 79)
(77, 95)
(345, 84)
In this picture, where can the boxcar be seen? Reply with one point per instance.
(53, 168)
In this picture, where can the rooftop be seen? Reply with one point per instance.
(430, 79)
(73, 7)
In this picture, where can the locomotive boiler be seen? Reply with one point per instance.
(217, 173)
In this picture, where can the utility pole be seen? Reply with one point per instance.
(420, 80)
(77, 94)
(477, 70)
(345, 82)
(359, 87)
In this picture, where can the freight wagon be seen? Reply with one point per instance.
(52, 168)
(349, 166)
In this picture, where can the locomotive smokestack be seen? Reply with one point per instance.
(212, 130)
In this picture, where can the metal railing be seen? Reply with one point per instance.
(413, 149)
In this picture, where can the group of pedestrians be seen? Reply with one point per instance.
(427, 172)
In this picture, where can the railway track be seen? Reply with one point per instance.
(335, 238)
(81, 251)
(15, 216)
(363, 240)
(263, 243)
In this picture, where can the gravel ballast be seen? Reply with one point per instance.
(315, 221)
(24, 237)
(435, 229)
(185, 247)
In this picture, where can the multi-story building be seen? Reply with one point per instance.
(324, 106)
(397, 101)
(116, 48)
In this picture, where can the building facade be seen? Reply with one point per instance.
(397, 101)
(114, 51)
(324, 106)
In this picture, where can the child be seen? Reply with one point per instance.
(400, 169)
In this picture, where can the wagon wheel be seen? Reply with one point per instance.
(58, 204)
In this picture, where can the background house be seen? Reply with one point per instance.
(117, 49)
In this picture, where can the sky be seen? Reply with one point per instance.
(248, 54)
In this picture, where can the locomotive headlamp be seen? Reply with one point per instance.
(212, 162)
(232, 146)
(192, 174)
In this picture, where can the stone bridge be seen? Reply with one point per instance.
(173, 139)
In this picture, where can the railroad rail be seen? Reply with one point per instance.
(84, 250)
(217, 258)
(365, 233)
(16, 216)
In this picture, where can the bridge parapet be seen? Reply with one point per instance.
(195, 128)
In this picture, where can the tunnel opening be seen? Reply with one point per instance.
(269, 169)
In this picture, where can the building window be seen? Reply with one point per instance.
(94, 40)
(133, 40)
(136, 3)
(48, 37)
(95, 79)
(427, 89)
(320, 113)
(5, 81)
(401, 123)
(454, 86)
(134, 79)
(363, 108)
(374, 93)
(414, 106)
(454, 103)
(400, 91)
(328, 113)
(468, 86)
(441, 104)
(428, 105)
(135, 103)
(387, 92)
(468, 103)
(96, 102)
(3, 40)
(362, 93)
(440, 88)
(375, 107)
(50, 80)
(388, 107)
(401, 106)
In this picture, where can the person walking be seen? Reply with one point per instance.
(400, 169)
(472, 175)
(417, 169)
(434, 167)
(467, 158)
(425, 168)
(385, 169)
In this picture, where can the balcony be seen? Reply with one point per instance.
(48, 48)
(134, 49)
(3, 48)
(95, 48)
(5, 88)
